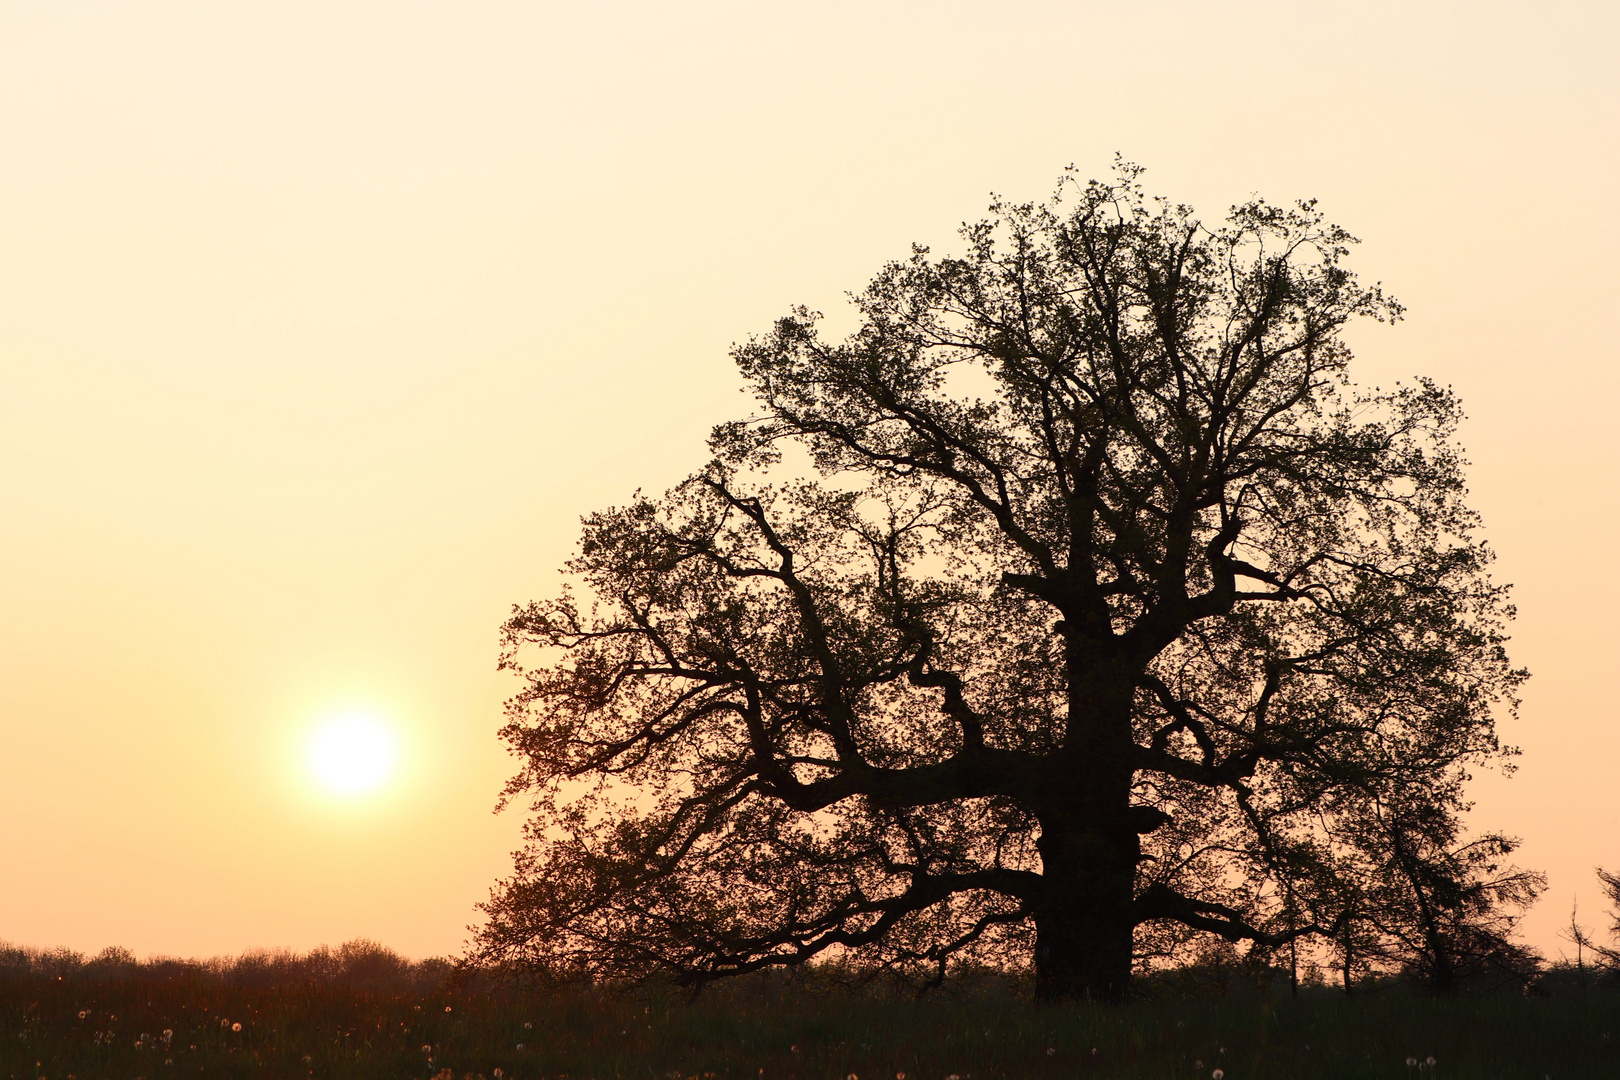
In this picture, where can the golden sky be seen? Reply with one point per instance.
(321, 324)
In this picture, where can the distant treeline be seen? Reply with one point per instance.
(357, 965)
(363, 965)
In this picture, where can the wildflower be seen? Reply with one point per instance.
(1198, 1063)
(527, 1025)
(1050, 1050)
(308, 1059)
(426, 1049)
(897, 1076)
(499, 1073)
(1094, 1050)
(794, 1049)
(953, 1076)
(237, 1026)
(1218, 1074)
(447, 1008)
(1411, 1061)
(83, 1013)
(168, 1061)
(1429, 1061)
(520, 1046)
(852, 1076)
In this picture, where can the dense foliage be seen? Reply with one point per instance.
(1078, 604)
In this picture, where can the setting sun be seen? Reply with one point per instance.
(352, 754)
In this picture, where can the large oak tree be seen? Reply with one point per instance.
(1076, 603)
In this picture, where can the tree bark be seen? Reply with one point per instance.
(1083, 922)
(1085, 917)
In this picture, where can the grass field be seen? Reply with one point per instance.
(142, 1022)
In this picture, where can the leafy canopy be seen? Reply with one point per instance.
(1085, 528)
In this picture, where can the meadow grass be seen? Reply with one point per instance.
(85, 1025)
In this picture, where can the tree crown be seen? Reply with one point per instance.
(1102, 552)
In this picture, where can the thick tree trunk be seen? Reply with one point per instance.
(1084, 923)
(1084, 920)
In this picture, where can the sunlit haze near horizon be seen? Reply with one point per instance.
(321, 325)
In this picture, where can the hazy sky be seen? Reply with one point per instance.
(321, 324)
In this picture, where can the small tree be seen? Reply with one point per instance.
(1111, 597)
(1609, 955)
(1443, 909)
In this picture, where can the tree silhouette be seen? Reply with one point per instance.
(1607, 955)
(1077, 595)
(1442, 908)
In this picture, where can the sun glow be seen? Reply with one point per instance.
(353, 754)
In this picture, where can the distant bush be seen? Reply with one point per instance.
(360, 964)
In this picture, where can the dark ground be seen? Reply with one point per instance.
(122, 1020)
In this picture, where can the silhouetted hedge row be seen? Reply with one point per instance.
(355, 965)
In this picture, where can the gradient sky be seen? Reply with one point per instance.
(321, 324)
